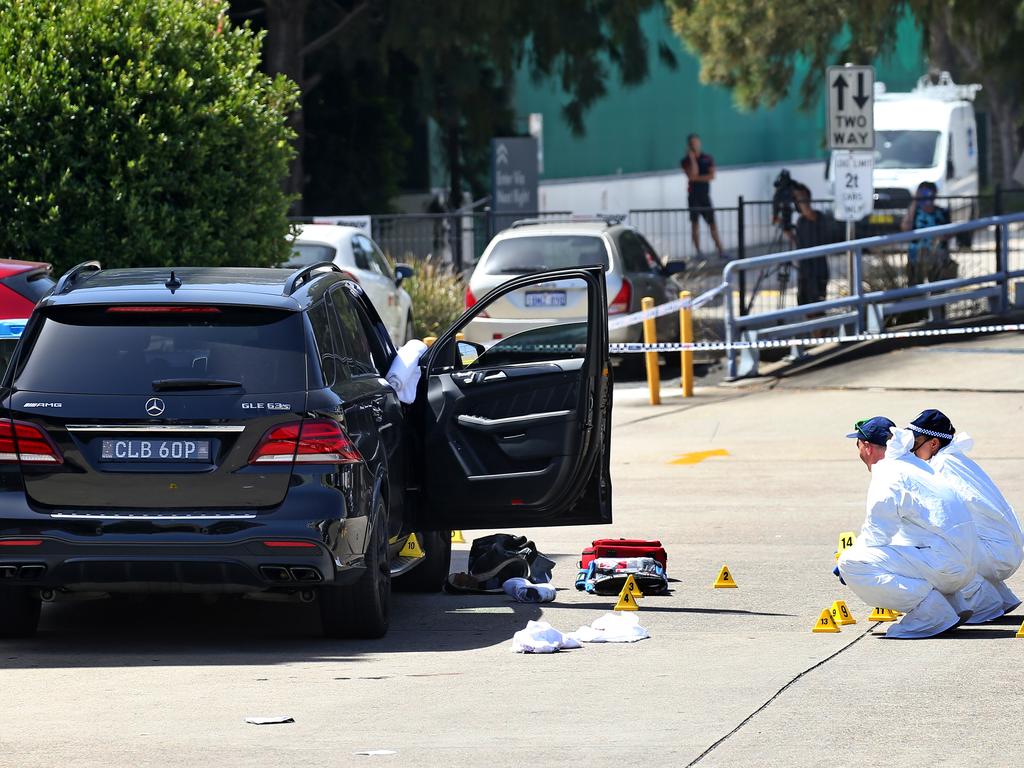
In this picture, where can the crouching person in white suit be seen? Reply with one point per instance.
(1000, 540)
(916, 546)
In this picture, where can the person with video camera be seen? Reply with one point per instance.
(783, 207)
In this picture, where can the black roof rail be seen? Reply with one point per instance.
(302, 276)
(69, 277)
(609, 219)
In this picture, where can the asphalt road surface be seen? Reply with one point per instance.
(760, 479)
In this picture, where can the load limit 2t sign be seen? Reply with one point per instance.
(851, 104)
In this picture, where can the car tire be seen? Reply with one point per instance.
(410, 329)
(362, 610)
(430, 574)
(19, 612)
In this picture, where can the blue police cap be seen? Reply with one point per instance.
(876, 430)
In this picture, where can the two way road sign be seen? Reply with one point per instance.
(851, 103)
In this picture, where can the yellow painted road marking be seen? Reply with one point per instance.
(698, 456)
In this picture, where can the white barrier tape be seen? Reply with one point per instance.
(720, 346)
(665, 309)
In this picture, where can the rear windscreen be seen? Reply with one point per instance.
(304, 254)
(97, 351)
(524, 255)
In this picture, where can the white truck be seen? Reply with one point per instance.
(928, 134)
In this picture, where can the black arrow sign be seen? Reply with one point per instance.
(840, 85)
(861, 98)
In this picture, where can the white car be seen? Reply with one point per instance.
(366, 264)
(633, 270)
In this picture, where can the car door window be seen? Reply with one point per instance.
(651, 256)
(380, 261)
(353, 336)
(319, 321)
(632, 252)
(361, 254)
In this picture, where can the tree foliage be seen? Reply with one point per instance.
(753, 46)
(139, 132)
(461, 57)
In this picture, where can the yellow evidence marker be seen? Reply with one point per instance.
(841, 614)
(626, 601)
(725, 579)
(881, 614)
(632, 587)
(1020, 632)
(412, 548)
(825, 623)
(458, 538)
(846, 539)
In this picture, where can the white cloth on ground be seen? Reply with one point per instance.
(541, 637)
(916, 535)
(930, 617)
(616, 627)
(525, 591)
(404, 373)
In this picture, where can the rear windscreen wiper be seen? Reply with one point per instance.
(162, 385)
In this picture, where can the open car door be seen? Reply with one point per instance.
(518, 431)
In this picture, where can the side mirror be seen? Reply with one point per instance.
(403, 272)
(673, 268)
(469, 352)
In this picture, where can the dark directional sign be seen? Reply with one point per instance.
(514, 175)
(851, 105)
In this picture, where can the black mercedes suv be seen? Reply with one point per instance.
(232, 430)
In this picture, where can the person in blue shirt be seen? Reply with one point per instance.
(927, 259)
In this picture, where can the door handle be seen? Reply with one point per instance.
(495, 376)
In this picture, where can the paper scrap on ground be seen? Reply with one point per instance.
(524, 591)
(273, 720)
(615, 627)
(541, 637)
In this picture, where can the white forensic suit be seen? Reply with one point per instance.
(916, 546)
(1000, 540)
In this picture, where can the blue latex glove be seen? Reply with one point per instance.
(835, 572)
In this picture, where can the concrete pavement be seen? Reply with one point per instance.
(169, 683)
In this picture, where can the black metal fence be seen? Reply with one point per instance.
(750, 228)
(456, 239)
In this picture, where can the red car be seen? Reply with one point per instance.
(22, 285)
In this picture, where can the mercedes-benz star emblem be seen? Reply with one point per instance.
(154, 406)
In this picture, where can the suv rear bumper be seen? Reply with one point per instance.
(136, 565)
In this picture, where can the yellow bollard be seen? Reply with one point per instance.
(686, 356)
(460, 337)
(651, 358)
(429, 340)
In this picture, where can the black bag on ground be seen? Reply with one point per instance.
(496, 558)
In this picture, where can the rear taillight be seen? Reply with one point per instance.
(620, 304)
(470, 298)
(26, 443)
(316, 441)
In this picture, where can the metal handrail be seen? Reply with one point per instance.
(859, 298)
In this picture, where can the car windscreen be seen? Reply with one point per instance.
(905, 149)
(122, 351)
(525, 255)
(304, 254)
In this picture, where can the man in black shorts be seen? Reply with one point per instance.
(700, 171)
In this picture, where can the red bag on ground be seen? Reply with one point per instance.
(625, 548)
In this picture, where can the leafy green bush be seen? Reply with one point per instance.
(139, 132)
(438, 297)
